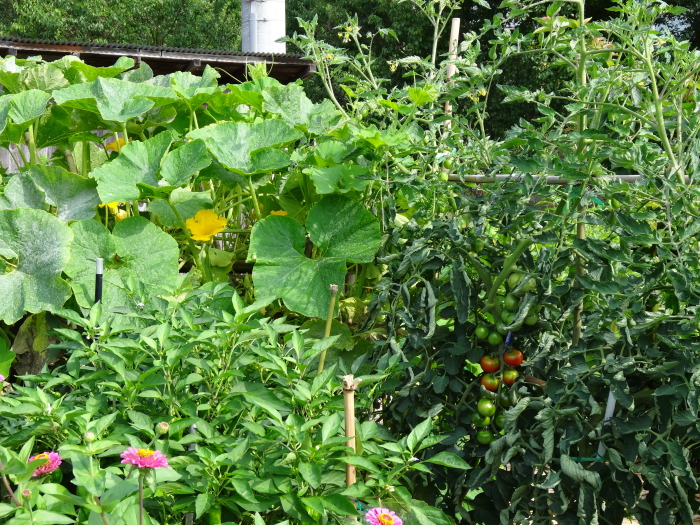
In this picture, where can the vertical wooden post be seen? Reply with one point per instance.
(451, 68)
(349, 386)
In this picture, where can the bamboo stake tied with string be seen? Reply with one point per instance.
(349, 387)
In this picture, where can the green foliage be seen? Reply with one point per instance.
(252, 431)
(341, 231)
(189, 23)
(33, 253)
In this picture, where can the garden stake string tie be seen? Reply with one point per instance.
(329, 323)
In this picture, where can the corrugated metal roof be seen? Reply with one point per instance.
(162, 60)
(218, 52)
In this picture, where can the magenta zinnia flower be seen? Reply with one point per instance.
(53, 460)
(144, 458)
(381, 516)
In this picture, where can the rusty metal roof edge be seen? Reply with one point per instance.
(95, 46)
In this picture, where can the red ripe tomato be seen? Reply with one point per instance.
(490, 363)
(509, 376)
(513, 358)
(489, 382)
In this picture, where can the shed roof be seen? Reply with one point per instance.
(162, 60)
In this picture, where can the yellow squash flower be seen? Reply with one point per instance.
(205, 224)
(112, 146)
(112, 206)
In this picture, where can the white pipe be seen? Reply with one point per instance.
(253, 32)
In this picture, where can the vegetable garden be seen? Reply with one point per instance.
(520, 315)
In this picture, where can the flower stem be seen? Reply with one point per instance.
(140, 498)
(256, 205)
(207, 262)
(190, 243)
(8, 487)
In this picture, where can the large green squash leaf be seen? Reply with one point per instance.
(182, 163)
(186, 202)
(196, 90)
(37, 243)
(27, 106)
(249, 148)
(9, 74)
(338, 179)
(136, 252)
(114, 99)
(79, 72)
(342, 230)
(4, 110)
(138, 162)
(73, 196)
(290, 102)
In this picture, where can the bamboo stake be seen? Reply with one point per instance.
(349, 387)
(451, 68)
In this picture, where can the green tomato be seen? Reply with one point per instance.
(499, 420)
(504, 398)
(481, 332)
(478, 245)
(514, 279)
(495, 338)
(532, 319)
(448, 162)
(511, 302)
(486, 407)
(480, 421)
(485, 437)
(530, 285)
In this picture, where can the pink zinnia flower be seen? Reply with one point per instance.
(53, 460)
(381, 516)
(144, 458)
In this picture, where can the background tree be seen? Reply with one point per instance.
(206, 24)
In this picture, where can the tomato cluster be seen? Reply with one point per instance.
(497, 379)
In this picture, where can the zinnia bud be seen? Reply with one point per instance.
(162, 428)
